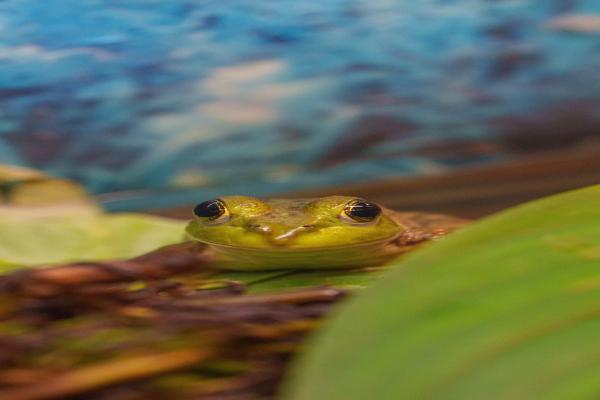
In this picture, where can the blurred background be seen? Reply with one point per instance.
(462, 106)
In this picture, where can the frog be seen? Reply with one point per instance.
(333, 232)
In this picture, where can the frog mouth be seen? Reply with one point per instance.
(290, 234)
(354, 255)
(286, 248)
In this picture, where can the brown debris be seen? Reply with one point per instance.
(85, 331)
(113, 372)
(161, 263)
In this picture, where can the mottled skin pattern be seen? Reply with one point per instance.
(255, 234)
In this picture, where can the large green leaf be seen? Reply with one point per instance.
(508, 308)
(29, 240)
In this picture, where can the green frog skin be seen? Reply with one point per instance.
(247, 233)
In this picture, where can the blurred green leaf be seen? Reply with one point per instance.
(346, 279)
(27, 240)
(508, 308)
(45, 220)
(29, 193)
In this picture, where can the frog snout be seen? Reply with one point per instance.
(280, 235)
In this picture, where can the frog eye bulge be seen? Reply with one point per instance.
(362, 211)
(211, 209)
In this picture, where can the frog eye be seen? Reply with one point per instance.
(211, 209)
(362, 211)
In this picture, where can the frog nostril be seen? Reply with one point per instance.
(259, 228)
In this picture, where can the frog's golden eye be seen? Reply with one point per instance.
(211, 209)
(362, 211)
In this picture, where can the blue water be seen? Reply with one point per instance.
(176, 100)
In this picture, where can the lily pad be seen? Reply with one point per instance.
(508, 308)
(46, 220)
(30, 241)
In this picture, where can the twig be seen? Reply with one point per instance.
(161, 263)
(107, 374)
(311, 295)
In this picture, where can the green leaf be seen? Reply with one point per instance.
(27, 240)
(345, 279)
(45, 220)
(508, 308)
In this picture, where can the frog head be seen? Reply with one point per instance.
(299, 231)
